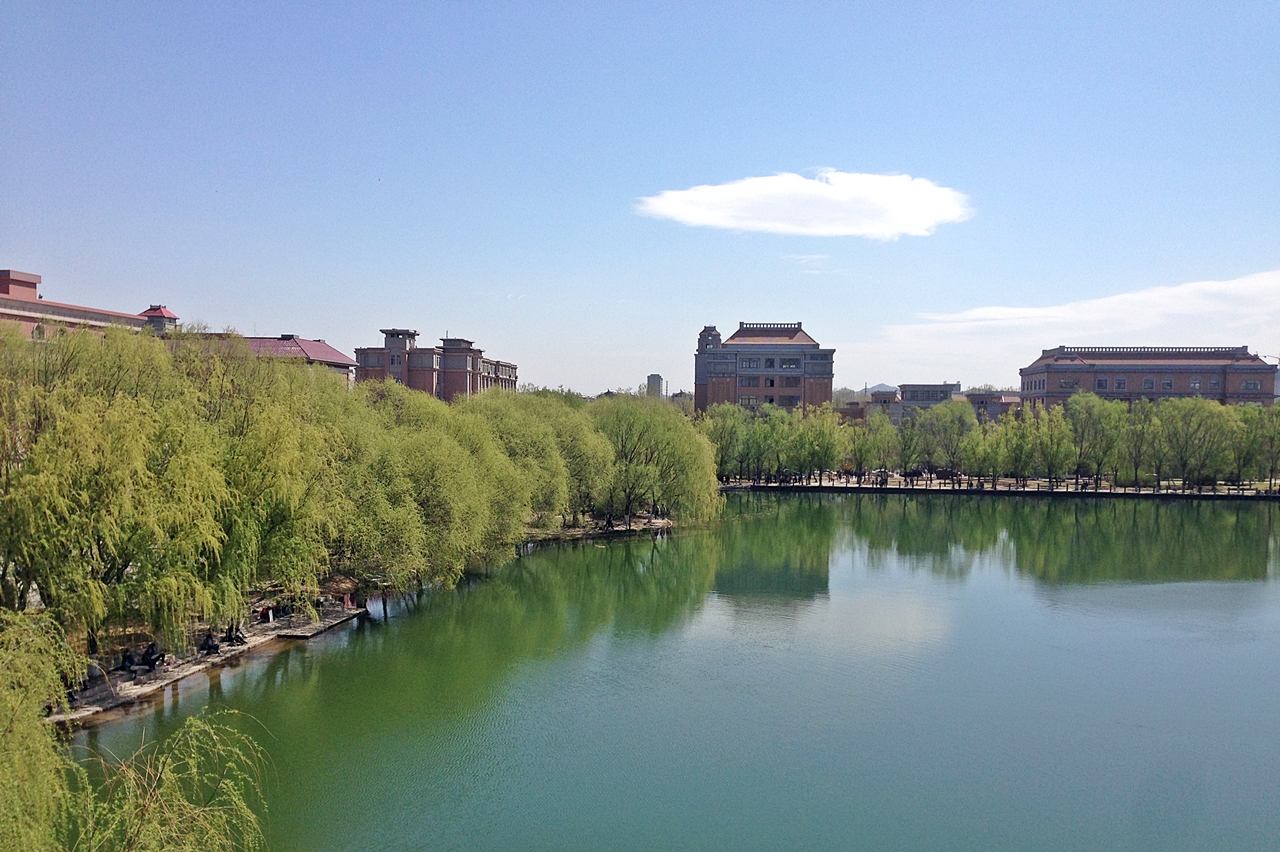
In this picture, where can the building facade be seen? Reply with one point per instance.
(761, 364)
(21, 303)
(1231, 375)
(454, 368)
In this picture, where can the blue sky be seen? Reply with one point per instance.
(479, 169)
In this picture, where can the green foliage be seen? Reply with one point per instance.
(661, 461)
(34, 665)
(197, 790)
(147, 483)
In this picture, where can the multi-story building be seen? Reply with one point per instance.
(454, 368)
(21, 302)
(761, 364)
(1231, 375)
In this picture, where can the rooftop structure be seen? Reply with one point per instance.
(761, 364)
(1229, 374)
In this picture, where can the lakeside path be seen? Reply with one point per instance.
(1034, 488)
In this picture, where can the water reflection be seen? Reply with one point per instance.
(521, 694)
(1066, 541)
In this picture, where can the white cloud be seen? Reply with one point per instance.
(833, 204)
(990, 344)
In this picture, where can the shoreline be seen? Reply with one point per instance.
(1044, 493)
(123, 693)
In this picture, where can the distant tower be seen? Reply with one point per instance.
(654, 386)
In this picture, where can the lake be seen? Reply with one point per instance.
(809, 672)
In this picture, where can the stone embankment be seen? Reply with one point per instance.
(121, 689)
(1006, 488)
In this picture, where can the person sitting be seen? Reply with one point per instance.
(128, 661)
(235, 636)
(210, 645)
(152, 656)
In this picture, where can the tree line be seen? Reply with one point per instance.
(1188, 443)
(147, 486)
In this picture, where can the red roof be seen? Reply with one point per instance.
(159, 311)
(290, 346)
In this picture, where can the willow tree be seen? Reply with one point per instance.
(661, 462)
(198, 790)
(1197, 432)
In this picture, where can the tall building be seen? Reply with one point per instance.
(761, 364)
(21, 302)
(454, 368)
(1231, 374)
(654, 386)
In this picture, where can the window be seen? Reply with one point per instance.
(1100, 383)
(1067, 384)
(768, 400)
(1122, 383)
(395, 359)
(913, 395)
(1215, 384)
(768, 362)
(789, 401)
(749, 364)
(791, 381)
(1195, 383)
(1149, 383)
(749, 401)
(748, 381)
(789, 363)
(821, 356)
(768, 382)
(1166, 383)
(1251, 385)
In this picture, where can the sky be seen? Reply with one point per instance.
(937, 190)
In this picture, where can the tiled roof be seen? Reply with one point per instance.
(289, 346)
(159, 311)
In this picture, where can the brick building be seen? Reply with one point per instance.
(455, 367)
(761, 364)
(21, 302)
(1231, 375)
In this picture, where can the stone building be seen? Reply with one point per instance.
(1231, 375)
(454, 368)
(761, 364)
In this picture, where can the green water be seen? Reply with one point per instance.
(936, 673)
